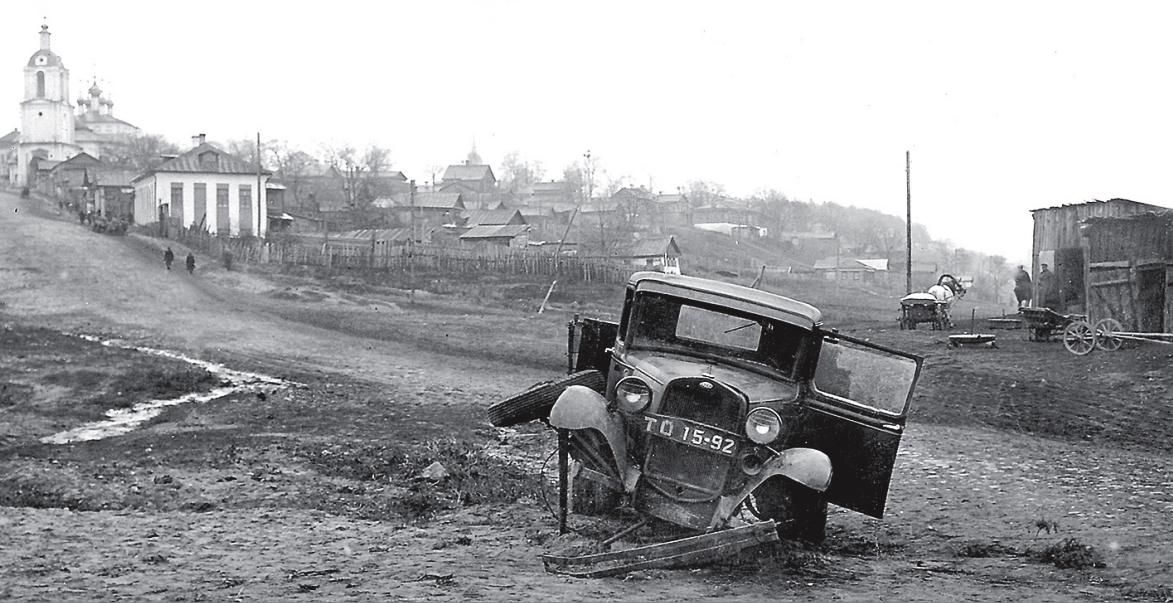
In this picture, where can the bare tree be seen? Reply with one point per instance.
(291, 166)
(344, 158)
(701, 193)
(139, 152)
(518, 174)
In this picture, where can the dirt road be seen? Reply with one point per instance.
(967, 503)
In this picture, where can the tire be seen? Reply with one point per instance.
(801, 513)
(535, 403)
(594, 499)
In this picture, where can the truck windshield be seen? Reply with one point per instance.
(671, 324)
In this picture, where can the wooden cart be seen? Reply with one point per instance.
(1045, 323)
(1082, 338)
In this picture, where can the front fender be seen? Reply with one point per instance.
(580, 407)
(806, 466)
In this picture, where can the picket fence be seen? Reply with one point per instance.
(422, 259)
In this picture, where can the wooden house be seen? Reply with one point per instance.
(511, 235)
(1059, 243)
(493, 217)
(1130, 270)
(660, 254)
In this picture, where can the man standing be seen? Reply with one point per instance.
(168, 257)
(1048, 296)
(1022, 287)
(190, 263)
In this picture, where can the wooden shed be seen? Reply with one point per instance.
(1130, 270)
(1058, 242)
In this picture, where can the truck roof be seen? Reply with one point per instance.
(797, 312)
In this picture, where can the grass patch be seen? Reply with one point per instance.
(472, 477)
(39, 496)
(1069, 554)
(143, 384)
(984, 550)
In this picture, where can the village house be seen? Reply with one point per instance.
(660, 254)
(503, 235)
(68, 179)
(206, 189)
(492, 217)
(476, 184)
(1058, 242)
(1130, 270)
(111, 191)
(424, 208)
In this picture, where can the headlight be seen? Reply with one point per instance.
(763, 425)
(632, 395)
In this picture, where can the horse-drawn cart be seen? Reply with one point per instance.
(916, 308)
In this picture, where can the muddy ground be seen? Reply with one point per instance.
(1027, 473)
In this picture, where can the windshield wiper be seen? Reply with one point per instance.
(744, 326)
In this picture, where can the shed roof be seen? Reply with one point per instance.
(493, 217)
(654, 247)
(508, 231)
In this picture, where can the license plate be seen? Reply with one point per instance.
(691, 433)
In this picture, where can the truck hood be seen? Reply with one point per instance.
(662, 368)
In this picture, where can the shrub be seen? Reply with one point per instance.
(1069, 554)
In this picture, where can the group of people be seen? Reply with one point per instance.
(1048, 292)
(169, 258)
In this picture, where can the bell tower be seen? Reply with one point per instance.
(46, 114)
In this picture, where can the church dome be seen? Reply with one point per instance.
(95, 90)
(45, 58)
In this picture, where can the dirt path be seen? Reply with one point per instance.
(952, 487)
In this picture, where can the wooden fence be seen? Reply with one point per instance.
(428, 259)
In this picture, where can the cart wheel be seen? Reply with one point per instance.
(1079, 338)
(1105, 334)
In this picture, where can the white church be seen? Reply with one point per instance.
(51, 129)
(204, 188)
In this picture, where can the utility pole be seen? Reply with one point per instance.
(908, 220)
(260, 191)
(587, 172)
(411, 245)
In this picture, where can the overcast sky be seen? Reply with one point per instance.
(1004, 106)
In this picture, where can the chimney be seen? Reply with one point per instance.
(198, 139)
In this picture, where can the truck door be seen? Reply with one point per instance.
(856, 414)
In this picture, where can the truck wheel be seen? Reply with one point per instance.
(594, 499)
(535, 403)
(799, 511)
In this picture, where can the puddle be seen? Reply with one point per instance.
(125, 420)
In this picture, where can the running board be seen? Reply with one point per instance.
(693, 551)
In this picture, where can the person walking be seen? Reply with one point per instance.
(168, 257)
(190, 263)
(1022, 287)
